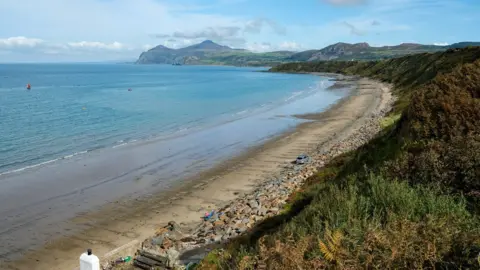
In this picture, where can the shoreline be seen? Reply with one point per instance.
(129, 222)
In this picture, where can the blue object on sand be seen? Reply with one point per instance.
(208, 215)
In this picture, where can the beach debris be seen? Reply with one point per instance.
(208, 215)
(302, 159)
(123, 260)
(151, 260)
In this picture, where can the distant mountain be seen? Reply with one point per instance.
(363, 51)
(206, 45)
(211, 53)
(464, 44)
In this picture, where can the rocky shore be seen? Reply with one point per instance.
(178, 247)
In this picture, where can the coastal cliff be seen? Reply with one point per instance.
(409, 198)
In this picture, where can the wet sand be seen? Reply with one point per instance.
(124, 222)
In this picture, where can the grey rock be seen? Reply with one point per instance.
(273, 210)
(241, 230)
(225, 237)
(253, 204)
(217, 238)
(257, 218)
(245, 220)
(261, 212)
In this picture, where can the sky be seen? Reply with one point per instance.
(108, 30)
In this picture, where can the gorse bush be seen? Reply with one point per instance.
(408, 199)
(447, 107)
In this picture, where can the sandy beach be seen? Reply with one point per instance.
(118, 228)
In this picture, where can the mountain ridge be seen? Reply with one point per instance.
(210, 53)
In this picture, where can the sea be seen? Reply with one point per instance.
(89, 134)
(72, 109)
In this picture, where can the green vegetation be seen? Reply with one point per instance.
(244, 58)
(409, 199)
(363, 51)
(389, 120)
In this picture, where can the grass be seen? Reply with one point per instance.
(389, 120)
(408, 199)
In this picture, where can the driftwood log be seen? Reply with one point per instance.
(147, 260)
(142, 265)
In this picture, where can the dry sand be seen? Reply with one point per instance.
(118, 229)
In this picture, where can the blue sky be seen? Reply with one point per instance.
(97, 30)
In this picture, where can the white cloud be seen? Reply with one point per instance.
(35, 48)
(441, 44)
(259, 47)
(15, 42)
(147, 47)
(97, 45)
(178, 43)
(123, 21)
(255, 26)
(290, 46)
(267, 46)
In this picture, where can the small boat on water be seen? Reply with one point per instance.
(129, 89)
(28, 86)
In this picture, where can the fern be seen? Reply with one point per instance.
(332, 247)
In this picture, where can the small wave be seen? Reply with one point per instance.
(119, 145)
(182, 130)
(294, 95)
(29, 167)
(241, 112)
(42, 163)
(74, 154)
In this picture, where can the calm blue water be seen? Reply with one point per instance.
(73, 108)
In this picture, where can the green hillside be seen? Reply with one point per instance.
(409, 199)
(363, 51)
(210, 53)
